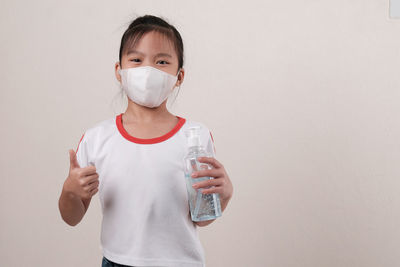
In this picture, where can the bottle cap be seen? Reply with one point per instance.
(193, 134)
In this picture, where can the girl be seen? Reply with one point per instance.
(135, 160)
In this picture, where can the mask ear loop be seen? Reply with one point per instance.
(175, 91)
(177, 76)
(120, 83)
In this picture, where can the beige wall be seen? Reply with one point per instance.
(302, 98)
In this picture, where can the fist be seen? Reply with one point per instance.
(83, 182)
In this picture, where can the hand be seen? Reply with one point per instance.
(221, 182)
(82, 182)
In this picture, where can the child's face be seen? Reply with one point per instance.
(153, 49)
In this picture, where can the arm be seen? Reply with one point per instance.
(78, 189)
(72, 207)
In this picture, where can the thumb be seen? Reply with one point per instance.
(72, 159)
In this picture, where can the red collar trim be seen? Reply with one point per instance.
(159, 139)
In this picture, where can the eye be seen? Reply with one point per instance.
(135, 60)
(163, 62)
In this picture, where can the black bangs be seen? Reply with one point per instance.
(146, 24)
(134, 35)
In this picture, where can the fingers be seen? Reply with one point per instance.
(211, 161)
(207, 183)
(210, 172)
(217, 189)
(93, 192)
(90, 192)
(90, 179)
(92, 186)
(89, 170)
(73, 160)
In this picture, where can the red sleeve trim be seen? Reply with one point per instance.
(212, 138)
(79, 143)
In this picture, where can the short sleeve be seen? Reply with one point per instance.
(82, 152)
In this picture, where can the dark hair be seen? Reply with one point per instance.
(148, 23)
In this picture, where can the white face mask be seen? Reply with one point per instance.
(147, 86)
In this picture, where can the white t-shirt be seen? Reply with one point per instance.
(143, 195)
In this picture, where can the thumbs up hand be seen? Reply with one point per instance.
(82, 182)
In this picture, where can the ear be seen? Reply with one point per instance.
(117, 67)
(181, 76)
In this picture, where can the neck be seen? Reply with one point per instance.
(140, 114)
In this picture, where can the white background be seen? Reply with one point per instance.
(302, 98)
(395, 8)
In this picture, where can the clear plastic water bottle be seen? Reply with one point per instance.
(203, 207)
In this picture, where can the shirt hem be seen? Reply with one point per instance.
(150, 262)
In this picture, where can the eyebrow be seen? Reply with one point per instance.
(158, 55)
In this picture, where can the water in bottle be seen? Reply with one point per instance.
(202, 207)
